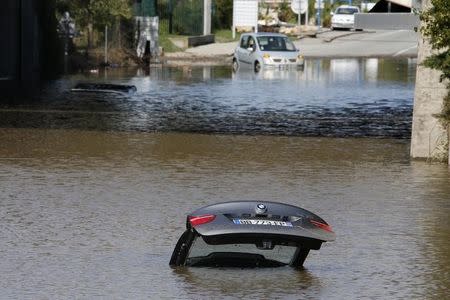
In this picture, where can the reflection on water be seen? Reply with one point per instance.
(329, 97)
(242, 283)
(88, 214)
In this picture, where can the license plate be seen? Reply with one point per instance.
(262, 222)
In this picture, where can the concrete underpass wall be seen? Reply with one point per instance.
(10, 40)
(386, 21)
(428, 136)
(25, 27)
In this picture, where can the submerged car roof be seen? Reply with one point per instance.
(262, 217)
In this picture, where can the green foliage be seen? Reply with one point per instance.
(326, 22)
(311, 9)
(96, 12)
(167, 45)
(285, 13)
(188, 17)
(436, 26)
(91, 15)
(223, 14)
(225, 36)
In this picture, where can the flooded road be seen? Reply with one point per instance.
(330, 97)
(89, 213)
(94, 190)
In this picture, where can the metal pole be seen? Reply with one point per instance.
(234, 16)
(206, 17)
(299, 15)
(318, 17)
(66, 46)
(307, 15)
(256, 21)
(106, 44)
(170, 17)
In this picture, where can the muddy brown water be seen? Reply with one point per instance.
(95, 213)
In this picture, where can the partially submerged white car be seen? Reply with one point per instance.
(344, 17)
(258, 50)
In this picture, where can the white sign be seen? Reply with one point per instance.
(301, 5)
(316, 4)
(245, 12)
(367, 6)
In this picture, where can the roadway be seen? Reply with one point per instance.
(380, 43)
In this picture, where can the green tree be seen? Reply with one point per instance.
(223, 14)
(285, 13)
(436, 27)
(96, 13)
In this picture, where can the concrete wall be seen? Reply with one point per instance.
(22, 26)
(30, 65)
(9, 54)
(428, 137)
(386, 21)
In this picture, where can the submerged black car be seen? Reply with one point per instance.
(250, 234)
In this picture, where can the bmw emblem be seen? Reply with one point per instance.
(261, 208)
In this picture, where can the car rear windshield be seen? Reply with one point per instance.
(275, 43)
(346, 11)
(239, 255)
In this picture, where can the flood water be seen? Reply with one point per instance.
(93, 196)
(330, 97)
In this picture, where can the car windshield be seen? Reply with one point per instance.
(239, 255)
(346, 11)
(275, 43)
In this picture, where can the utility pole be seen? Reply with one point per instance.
(319, 22)
(299, 15)
(106, 45)
(206, 17)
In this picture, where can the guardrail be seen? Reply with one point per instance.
(386, 21)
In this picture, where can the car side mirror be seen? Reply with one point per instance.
(251, 49)
(331, 13)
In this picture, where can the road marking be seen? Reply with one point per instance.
(404, 50)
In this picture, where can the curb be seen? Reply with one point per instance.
(328, 40)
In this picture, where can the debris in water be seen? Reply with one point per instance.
(104, 88)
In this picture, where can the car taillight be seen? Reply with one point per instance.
(322, 225)
(198, 220)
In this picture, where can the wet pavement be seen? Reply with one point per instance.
(333, 44)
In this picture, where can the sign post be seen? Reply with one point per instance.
(299, 7)
(106, 45)
(319, 5)
(206, 17)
